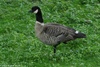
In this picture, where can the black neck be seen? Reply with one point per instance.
(39, 16)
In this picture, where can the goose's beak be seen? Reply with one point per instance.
(30, 11)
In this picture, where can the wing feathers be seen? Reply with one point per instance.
(54, 30)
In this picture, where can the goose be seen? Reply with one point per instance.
(52, 33)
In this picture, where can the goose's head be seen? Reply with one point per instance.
(38, 13)
(34, 9)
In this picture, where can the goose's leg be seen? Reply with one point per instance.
(55, 49)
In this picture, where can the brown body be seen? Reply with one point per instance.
(53, 34)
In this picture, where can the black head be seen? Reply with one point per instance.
(37, 11)
(34, 9)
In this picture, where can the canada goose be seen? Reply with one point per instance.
(52, 33)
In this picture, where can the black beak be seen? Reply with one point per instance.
(30, 11)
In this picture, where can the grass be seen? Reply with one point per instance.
(20, 48)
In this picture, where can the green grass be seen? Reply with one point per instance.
(20, 48)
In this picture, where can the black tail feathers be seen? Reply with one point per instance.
(80, 35)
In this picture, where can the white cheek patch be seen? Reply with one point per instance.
(76, 32)
(36, 11)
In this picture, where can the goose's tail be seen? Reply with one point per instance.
(79, 35)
